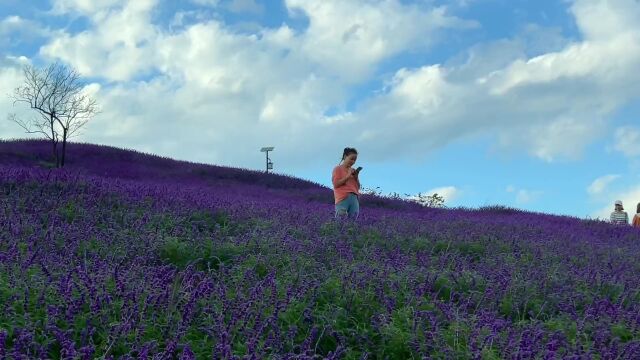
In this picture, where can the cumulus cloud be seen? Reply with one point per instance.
(224, 89)
(16, 30)
(551, 105)
(11, 77)
(13, 23)
(630, 199)
(449, 193)
(245, 6)
(606, 20)
(119, 45)
(627, 140)
(205, 79)
(84, 7)
(564, 136)
(211, 3)
(524, 196)
(349, 38)
(599, 185)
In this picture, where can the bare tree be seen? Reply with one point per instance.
(56, 93)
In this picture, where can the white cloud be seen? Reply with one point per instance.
(627, 140)
(599, 185)
(223, 89)
(630, 198)
(350, 37)
(591, 60)
(86, 7)
(552, 105)
(11, 76)
(606, 19)
(216, 81)
(16, 29)
(246, 6)
(611, 43)
(212, 3)
(449, 193)
(12, 22)
(119, 46)
(524, 196)
(563, 137)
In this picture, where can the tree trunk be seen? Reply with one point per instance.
(54, 142)
(54, 152)
(64, 146)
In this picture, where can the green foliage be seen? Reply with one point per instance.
(176, 252)
(420, 244)
(205, 256)
(397, 335)
(490, 354)
(567, 326)
(293, 314)
(205, 220)
(523, 307)
(162, 223)
(473, 250)
(69, 211)
(376, 291)
(611, 291)
(88, 247)
(370, 238)
(457, 337)
(622, 332)
(22, 248)
(443, 288)
(262, 264)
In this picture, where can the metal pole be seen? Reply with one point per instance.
(266, 151)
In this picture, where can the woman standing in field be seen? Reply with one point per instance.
(636, 218)
(346, 185)
(619, 216)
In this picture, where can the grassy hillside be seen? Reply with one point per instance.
(126, 255)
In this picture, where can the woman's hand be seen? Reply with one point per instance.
(355, 176)
(351, 173)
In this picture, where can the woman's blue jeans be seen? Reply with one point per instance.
(349, 207)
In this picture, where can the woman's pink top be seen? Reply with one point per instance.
(351, 186)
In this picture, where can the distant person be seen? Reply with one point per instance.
(618, 216)
(636, 217)
(346, 185)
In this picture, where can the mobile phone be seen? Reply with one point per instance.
(358, 169)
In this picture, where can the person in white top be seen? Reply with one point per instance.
(618, 216)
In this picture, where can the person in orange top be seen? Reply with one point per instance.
(636, 218)
(346, 185)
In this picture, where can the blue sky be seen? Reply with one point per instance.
(530, 104)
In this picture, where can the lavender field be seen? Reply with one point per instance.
(126, 255)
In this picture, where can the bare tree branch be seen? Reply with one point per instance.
(56, 93)
(35, 126)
